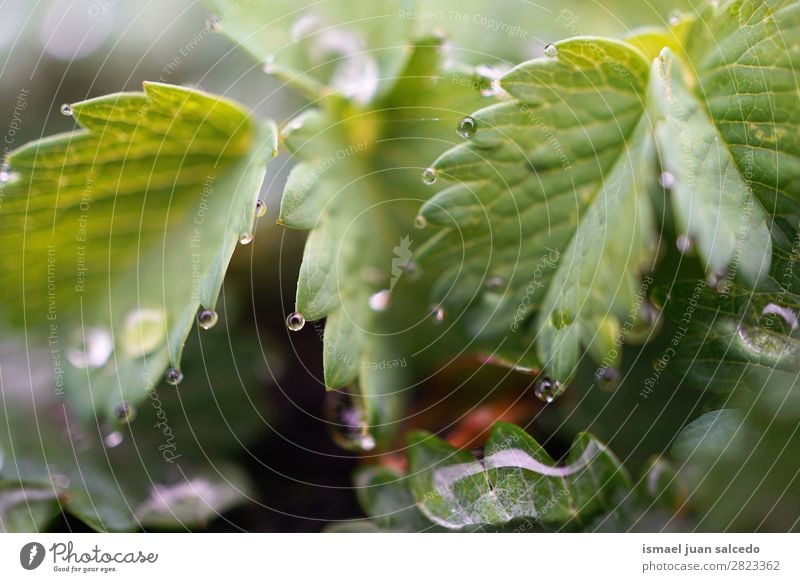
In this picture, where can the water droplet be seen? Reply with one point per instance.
(207, 318)
(429, 176)
(347, 421)
(144, 330)
(245, 238)
(173, 377)
(718, 280)
(125, 412)
(420, 221)
(550, 51)
(467, 127)
(411, 268)
(667, 180)
(261, 208)
(59, 479)
(674, 18)
(93, 347)
(771, 331)
(4, 176)
(607, 378)
(546, 389)
(214, 24)
(380, 300)
(494, 282)
(647, 325)
(779, 318)
(684, 244)
(438, 314)
(113, 439)
(295, 321)
(66, 109)
(269, 65)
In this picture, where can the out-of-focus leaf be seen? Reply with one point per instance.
(169, 467)
(116, 234)
(384, 495)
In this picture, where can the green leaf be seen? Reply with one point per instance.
(385, 497)
(567, 167)
(169, 467)
(556, 180)
(128, 225)
(724, 338)
(353, 187)
(707, 436)
(516, 479)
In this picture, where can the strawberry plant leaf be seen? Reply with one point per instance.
(119, 233)
(539, 184)
(357, 260)
(567, 166)
(165, 468)
(515, 479)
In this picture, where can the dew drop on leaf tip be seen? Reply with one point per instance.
(245, 238)
(295, 321)
(113, 439)
(92, 348)
(667, 180)
(66, 109)
(214, 24)
(684, 244)
(347, 422)
(380, 301)
(207, 318)
(173, 377)
(550, 51)
(420, 221)
(125, 412)
(467, 127)
(546, 389)
(429, 176)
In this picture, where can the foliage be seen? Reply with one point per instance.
(550, 243)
